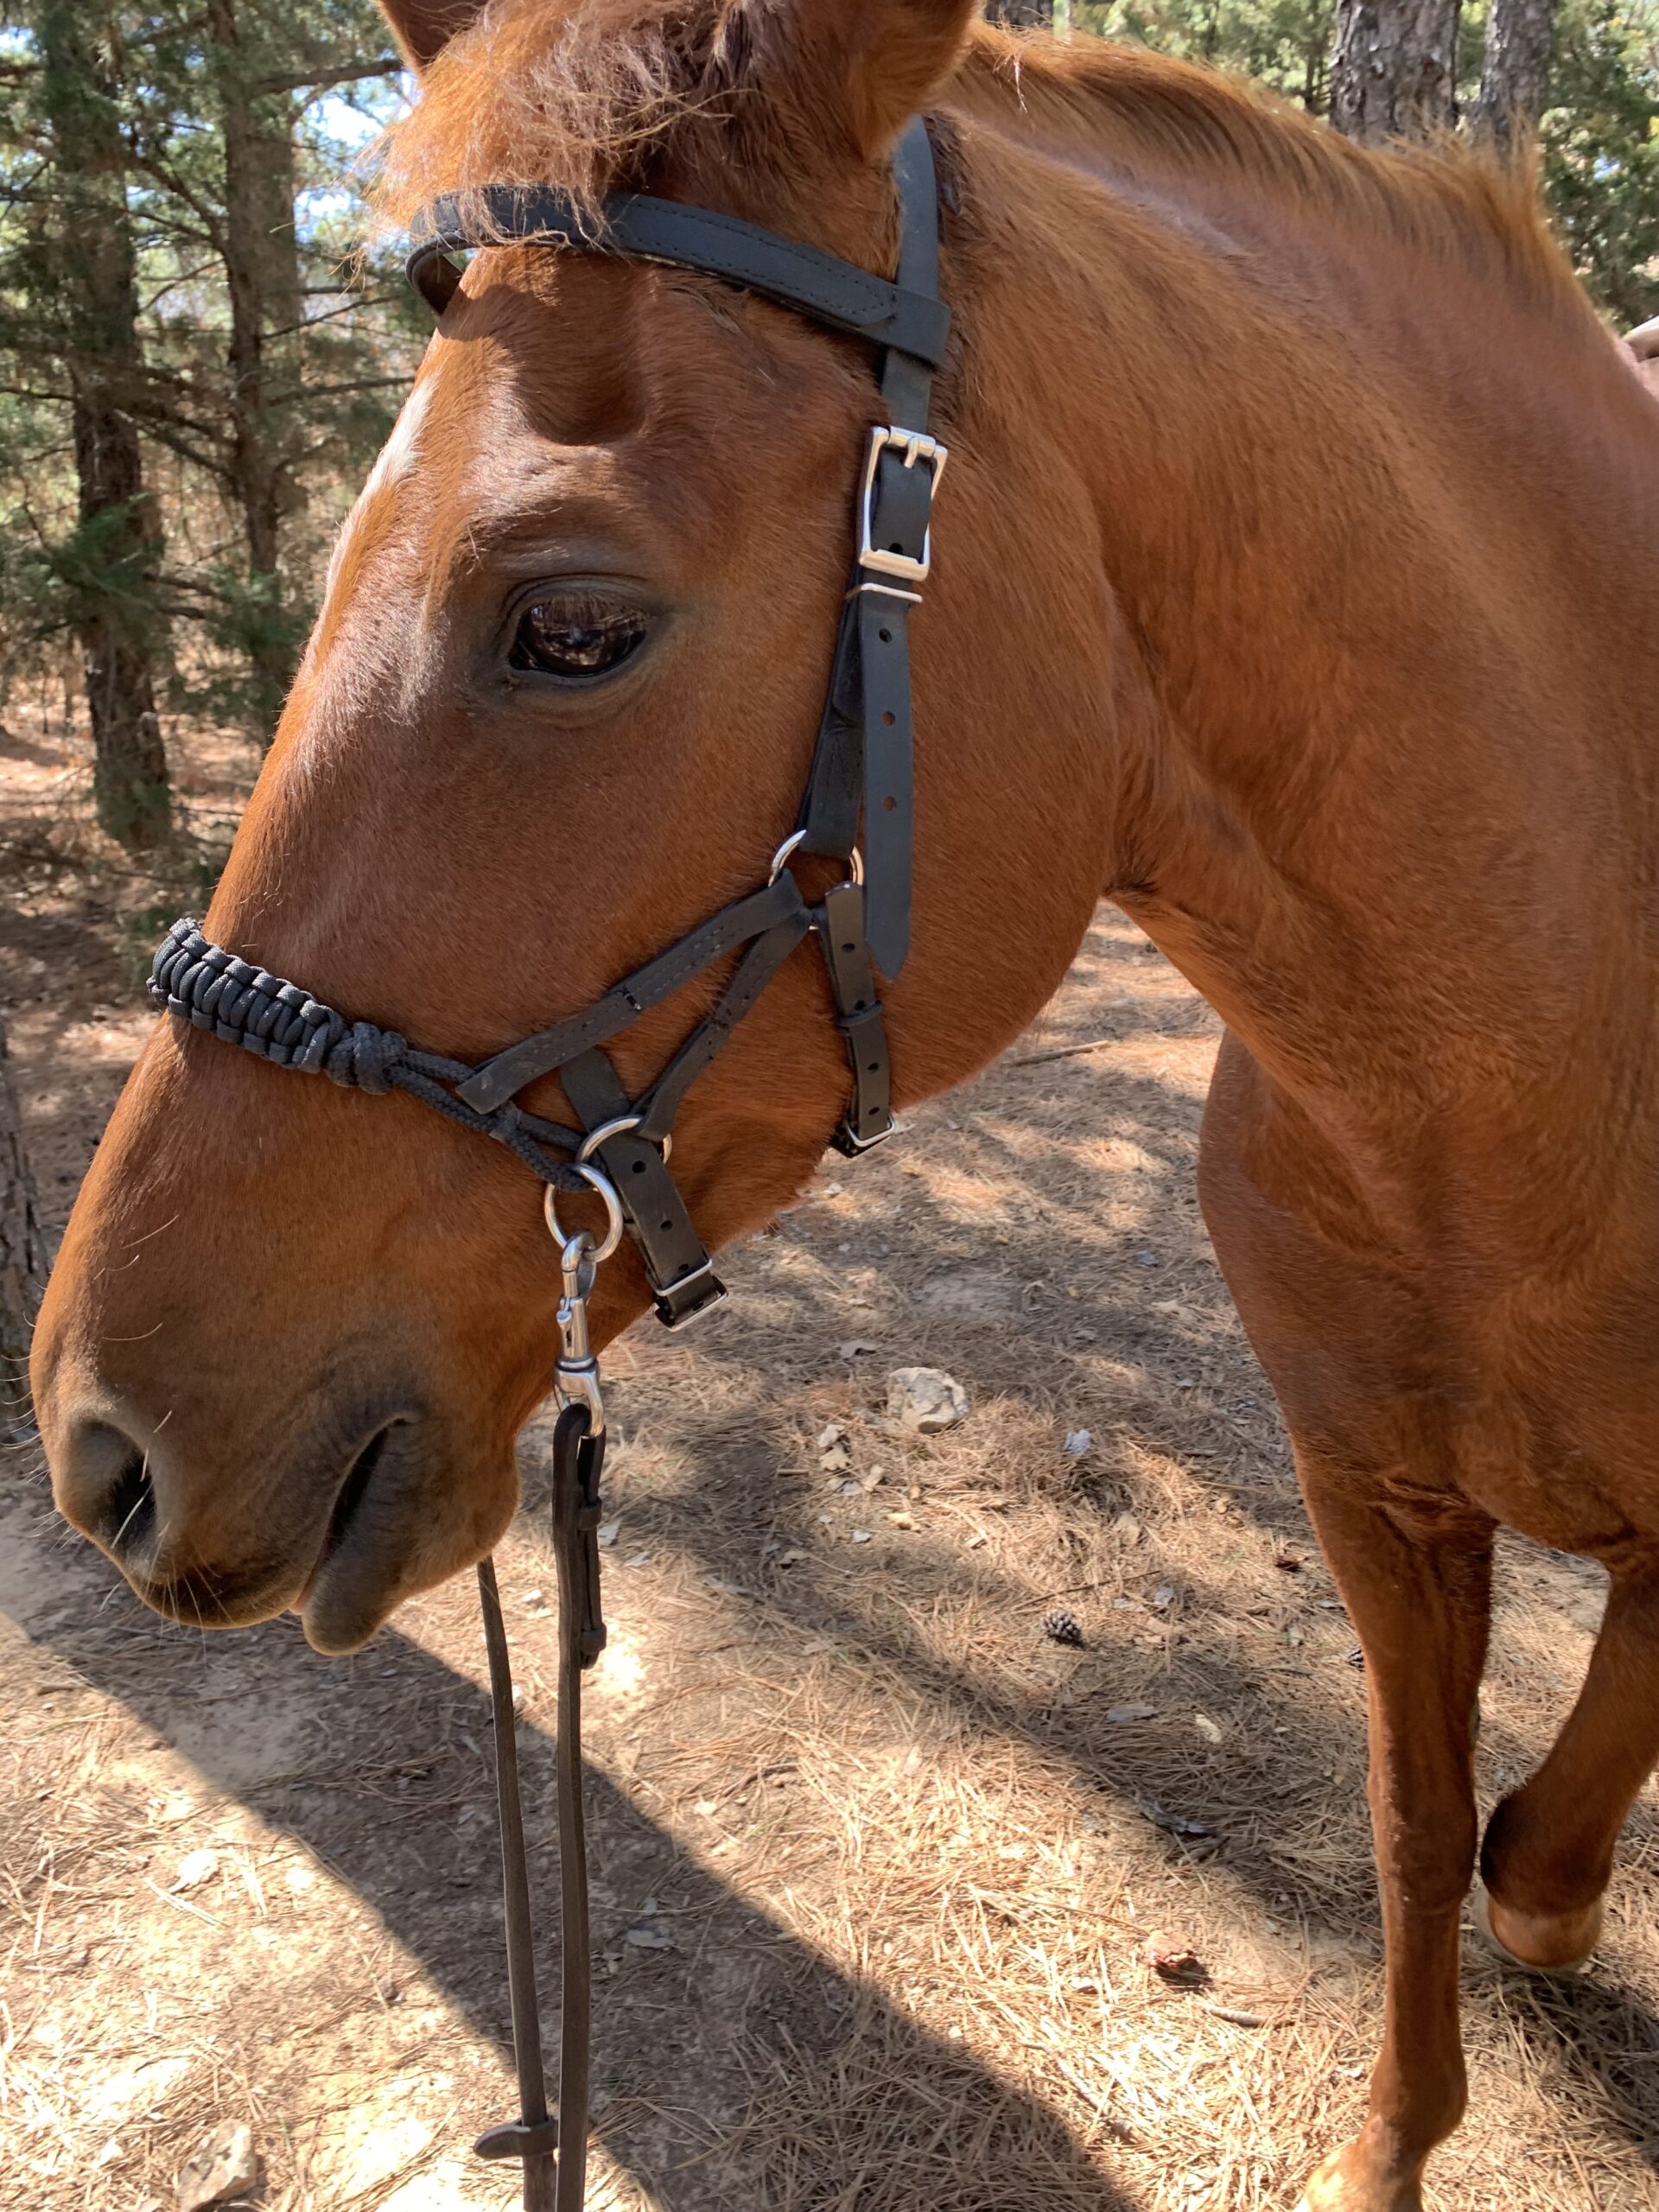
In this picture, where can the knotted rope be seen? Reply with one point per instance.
(276, 1020)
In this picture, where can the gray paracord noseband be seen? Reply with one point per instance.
(858, 798)
(244, 1005)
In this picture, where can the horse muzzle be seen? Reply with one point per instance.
(340, 1534)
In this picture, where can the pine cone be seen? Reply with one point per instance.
(1063, 1626)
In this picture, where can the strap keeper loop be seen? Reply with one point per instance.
(690, 1297)
(519, 2139)
(854, 1025)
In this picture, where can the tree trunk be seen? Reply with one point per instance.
(1316, 60)
(262, 268)
(1394, 74)
(1515, 75)
(23, 1246)
(117, 543)
(1022, 14)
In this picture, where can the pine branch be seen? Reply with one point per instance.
(345, 391)
(355, 305)
(174, 283)
(163, 173)
(322, 80)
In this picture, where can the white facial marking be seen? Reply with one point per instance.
(397, 457)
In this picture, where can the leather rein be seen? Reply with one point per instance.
(860, 782)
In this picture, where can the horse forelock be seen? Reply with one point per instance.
(589, 95)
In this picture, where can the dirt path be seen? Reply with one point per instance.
(876, 1862)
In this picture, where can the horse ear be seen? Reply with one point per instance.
(874, 63)
(424, 28)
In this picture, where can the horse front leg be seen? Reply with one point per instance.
(1417, 1584)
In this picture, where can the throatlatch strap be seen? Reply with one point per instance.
(858, 1017)
(889, 774)
(865, 740)
(916, 181)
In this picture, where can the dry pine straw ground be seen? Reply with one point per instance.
(876, 1865)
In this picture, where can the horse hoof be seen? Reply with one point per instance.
(1480, 1908)
(1344, 2184)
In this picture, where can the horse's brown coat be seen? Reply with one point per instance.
(1295, 588)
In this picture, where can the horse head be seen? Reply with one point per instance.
(560, 706)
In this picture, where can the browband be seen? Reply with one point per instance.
(637, 227)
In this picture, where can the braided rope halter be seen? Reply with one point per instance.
(243, 1005)
(857, 808)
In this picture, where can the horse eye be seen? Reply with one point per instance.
(576, 637)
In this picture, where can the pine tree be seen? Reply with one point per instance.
(214, 327)
(1515, 75)
(81, 255)
(23, 1246)
(263, 283)
(274, 373)
(1394, 72)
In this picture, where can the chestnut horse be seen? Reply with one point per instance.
(1295, 588)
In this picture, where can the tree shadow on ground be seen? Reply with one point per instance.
(1277, 1809)
(684, 2037)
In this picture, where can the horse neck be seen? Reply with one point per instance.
(1365, 520)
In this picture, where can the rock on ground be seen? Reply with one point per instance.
(926, 1399)
(224, 2166)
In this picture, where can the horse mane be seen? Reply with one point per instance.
(1181, 120)
(603, 95)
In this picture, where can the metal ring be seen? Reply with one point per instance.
(780, 858)
(620, 1128)
(612, 1211)
(780, 861)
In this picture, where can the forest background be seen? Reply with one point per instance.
(202, 345)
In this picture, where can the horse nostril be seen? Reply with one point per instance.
(105, 1487)
(130, 1515)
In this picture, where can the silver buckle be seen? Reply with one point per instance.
(848, 1143)
(716, 1296)
(916, 446)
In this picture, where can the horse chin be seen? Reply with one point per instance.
(198, 1600)
(423, 1496)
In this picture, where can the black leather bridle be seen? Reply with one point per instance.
(862, 767)
(857, 810)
